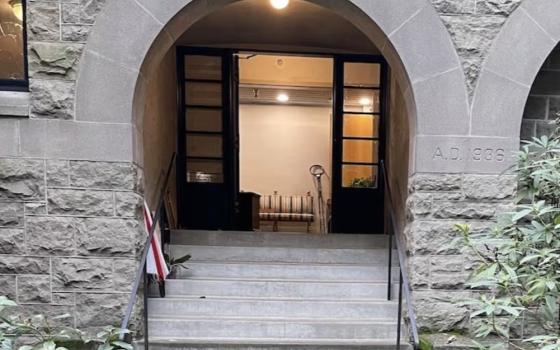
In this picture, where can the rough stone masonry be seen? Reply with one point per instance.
(69, 228)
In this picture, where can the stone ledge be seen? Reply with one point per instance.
(14, 103)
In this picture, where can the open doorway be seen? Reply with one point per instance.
(280, 142)
(285, 128)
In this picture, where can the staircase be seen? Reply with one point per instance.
(275, 291)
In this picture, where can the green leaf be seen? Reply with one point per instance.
(123, 345)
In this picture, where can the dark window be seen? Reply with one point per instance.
(13, 70)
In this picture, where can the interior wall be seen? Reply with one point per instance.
(397, 148)
(160, 127)
(278, 145)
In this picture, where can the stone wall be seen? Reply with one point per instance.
(543, 104)
(69, 190)
(69, 235)
(439, 270)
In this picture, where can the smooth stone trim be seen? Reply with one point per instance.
(14, 103)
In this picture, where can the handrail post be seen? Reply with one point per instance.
(390, 267)
(146, 339)
(399, 316)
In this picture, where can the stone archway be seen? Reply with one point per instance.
(130, 37)
(522, 46)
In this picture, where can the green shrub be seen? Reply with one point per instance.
(517, 265)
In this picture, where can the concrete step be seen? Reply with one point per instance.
(169, 307)
(337, 272)
(249, 328)
(283, 255)
(290, 289)
(162, 343)
(278, 239)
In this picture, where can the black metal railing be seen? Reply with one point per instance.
(141, 274)
(396, 239)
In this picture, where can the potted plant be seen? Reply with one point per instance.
(175, 264)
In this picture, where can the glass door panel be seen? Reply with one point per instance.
(360, 125)
(205, 171)
(203, 94)
(204, 146)
(359, 151)
(361, 100)
(362, 74)
(206, 120)
(200, 67)
(359, 176)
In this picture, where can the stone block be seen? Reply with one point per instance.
(35, 208)
(80, 202)
(419, 271)
(82, 274)
(464, 210)
(124, 271)
(43, 21)
(83, 12)
(106, 175)
(489, 186)
(545, 13)
(409, 39)
(496, 7)
(498, 100)
(52, 312)
(529, 40)
(8, 286)
(454, 6)
(554, 108)
(11, 241)
(53, 99)
(535, 108)
(22, 179)
(107, 237)
(34, 289)
(128, 204)
(438, 311)
(96, 310)
(432, 237)
(436, 182)
(54, 60)
(23, 265)
(450, 116)
(9, 137)
(58, 173)
(447, 272)
(417, 206)
(11, 214)
(64, 299)
(51, 235)
(14, 104)
(75, 32)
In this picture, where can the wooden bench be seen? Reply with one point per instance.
(275, 208)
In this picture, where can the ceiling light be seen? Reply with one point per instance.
(279, 4)
(282, 97)
(17, 8)
(364, 101)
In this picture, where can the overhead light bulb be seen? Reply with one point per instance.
(279, 4)
(282, 97)
(17, 8)
(364, 101)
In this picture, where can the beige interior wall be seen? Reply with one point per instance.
(397, 149)
(160, 127)
(279, 144)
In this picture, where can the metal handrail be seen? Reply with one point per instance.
(404, 284)
(141, 272)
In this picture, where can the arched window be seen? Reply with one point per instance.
(13, 57)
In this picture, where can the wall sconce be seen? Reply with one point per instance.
(17, 8)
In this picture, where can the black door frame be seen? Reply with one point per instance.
(230, 105)
(230, 185)
(375, 194)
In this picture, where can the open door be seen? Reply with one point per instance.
(358, 145)
(207, 164)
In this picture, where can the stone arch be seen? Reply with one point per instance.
(518, 52)
(130, 37)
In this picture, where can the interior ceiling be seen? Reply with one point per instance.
(301, 27)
